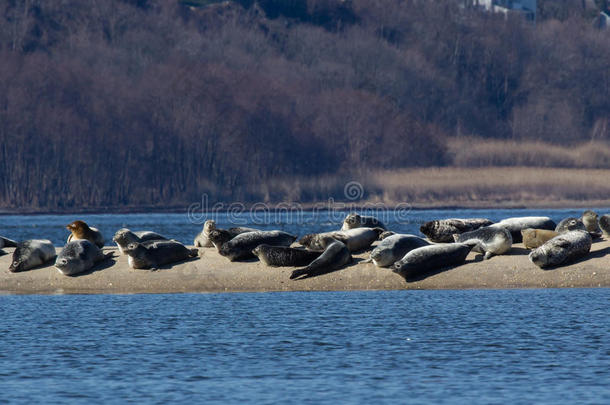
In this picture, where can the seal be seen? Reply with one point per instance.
(386, 234)
(570, 224)
(31, 253)
(155, 254)
(491, 240)
(563, 248)
(285, 256)
(124, 237)
(4, 242)
(430, 258)
(78, 256)
(335, 255)
(516, 224)
(203, 238)
(80, 230)
(355, 220)
(442, 230)
(241, 246)
(356, 239)
(589, 219)
(604, 224)
(533, 238)
(395, 247)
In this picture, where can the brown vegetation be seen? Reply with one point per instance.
(151, 102)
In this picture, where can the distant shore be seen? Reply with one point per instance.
(213, 273)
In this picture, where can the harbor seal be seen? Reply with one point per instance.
(570, 224)
(79, 256)
(516, 224)
(4, 242)
(563, 248)
(604, 224)
(430, 258)
(203, 238)
(81, 231)
(124, 237)
(32, 253)
(157, 253)
(241, 246)
(491, 240)
(356, 239)
(354, 220)
(335, 255)
(442, 230)
(395, 247)
(285, 256)
(533, 238)
(589, 219)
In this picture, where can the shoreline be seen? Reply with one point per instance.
(212, 273)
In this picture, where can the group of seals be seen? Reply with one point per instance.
(356, 239)
(203, 238)
(335, 255)
(394, 247)
(442, 230)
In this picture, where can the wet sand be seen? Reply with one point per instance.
(214, 273)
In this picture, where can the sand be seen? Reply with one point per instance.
(214, 273)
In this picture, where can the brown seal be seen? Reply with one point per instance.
(533, 238)
(81, 231)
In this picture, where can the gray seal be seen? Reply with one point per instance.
(431, 258)
(241, 246)
(604, 224)
(285, 256)
(78, 256)
(589, 219)
(561, 249)
(124, 237)
(516, 224)
(335, 255)
(395, 247)
(491, 240)
(32, 253)
(354, 220)
(356, 239)
(203, 238)
(4, 242)
(533, 238)
(570, 224)
(155, 254)
(442, 230)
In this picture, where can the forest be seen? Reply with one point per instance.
(154, 103)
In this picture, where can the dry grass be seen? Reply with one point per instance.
(464, 187)
(477, 152)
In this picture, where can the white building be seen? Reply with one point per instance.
(525, 7)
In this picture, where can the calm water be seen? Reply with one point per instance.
(184, 227)
(449, 347)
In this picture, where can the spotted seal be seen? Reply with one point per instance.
(604, 224)
(81, 231)
(590, 220)
(203, 238)
(430, 258)
(570, 224)
(285, 256)
(442, 230)
(31, 253)
(563, 248)
(354, 220)
(533, 238)
(79, 256)
(395, 247)
(124, 237)
(516, 224)
(491, 240)
(355, 239)
(335, 255)
(241, 246)
(157, 253)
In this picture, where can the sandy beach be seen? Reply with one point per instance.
(213, 273)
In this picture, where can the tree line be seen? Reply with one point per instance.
(153, 103)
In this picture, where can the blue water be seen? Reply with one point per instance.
(447, 347)
(185, 226)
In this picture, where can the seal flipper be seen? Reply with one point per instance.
(300, 272)
(8, 242)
